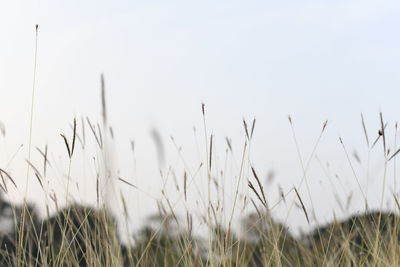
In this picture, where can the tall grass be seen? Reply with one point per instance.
(78, 235)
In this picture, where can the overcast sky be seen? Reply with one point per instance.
(314, 60)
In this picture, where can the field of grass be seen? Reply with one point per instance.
(78, 235)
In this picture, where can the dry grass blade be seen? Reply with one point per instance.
(32, 106)
(39, 180)
(324, 125)
(110, 129)
(5, 189)
(302, 205)
(133, 146)
(170, 208)
(189, 220)
(256, 208)
(98, 189)
(100, 136)
(356, 157)
(246, 129)
(203, 108)
(93, 131)
(103, 99)
(252, 127)
(397, 201)
(124, 206)
(211, 147)
(365, 129)
(37, 173)
(184, 184)
(67, 145)
(73, 138)
(258, 196)
(259, 184)
(126, 182)
(379, 136)
(161, 209)
(45, 159)
(53, 197)
(78, 137)
(55, 200)
(9, 177)
(34, 168)
(175, 180)
(352, 168)
(83, 133)
(383, 134)
(281, 194)
(158, 141)
(348, 202)
(394, 155)
(214, 212)
(228, 143)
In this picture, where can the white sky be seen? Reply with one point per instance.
(315, 60)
